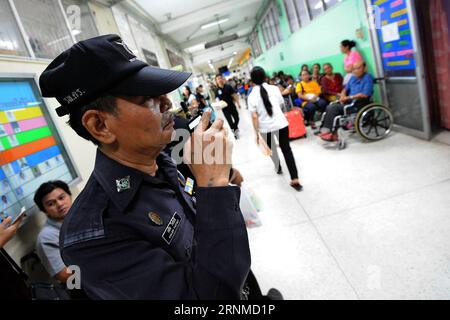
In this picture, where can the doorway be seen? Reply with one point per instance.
(399, 58)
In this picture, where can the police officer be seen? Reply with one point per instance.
(137, 231)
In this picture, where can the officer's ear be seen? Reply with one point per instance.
(97, 123)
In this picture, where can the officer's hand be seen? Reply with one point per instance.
(208, 153)
(7, 232)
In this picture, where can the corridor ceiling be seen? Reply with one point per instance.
(185, 23)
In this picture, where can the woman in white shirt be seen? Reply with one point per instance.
(265, 103)
(190, 100)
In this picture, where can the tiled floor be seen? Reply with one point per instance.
(372, 223)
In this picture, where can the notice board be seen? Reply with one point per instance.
(395, 38)
(31, 151)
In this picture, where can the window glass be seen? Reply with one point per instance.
(330, 3)
(11, 42)
(315, 8)
(80, 19)
(302, 12)
(45, 27)
(291, 15)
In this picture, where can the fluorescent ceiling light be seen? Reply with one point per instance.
(76, 32)
(197, 47)
(215, 23)
(229, 63)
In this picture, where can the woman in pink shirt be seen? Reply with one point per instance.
(351, 57)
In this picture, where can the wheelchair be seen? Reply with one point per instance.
(372, 123)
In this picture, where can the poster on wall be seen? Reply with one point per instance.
(150, 57)
(31, 151)
(395, 39)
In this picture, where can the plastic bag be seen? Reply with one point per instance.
(249, 210)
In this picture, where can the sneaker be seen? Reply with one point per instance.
(297, 186)
(236, 134)
(331, 137)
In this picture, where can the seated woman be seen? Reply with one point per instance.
(309, 91)
(288, 93)
(331, 83)
(316, 75)
(358, 90)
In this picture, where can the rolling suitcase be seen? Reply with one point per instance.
(296, 122)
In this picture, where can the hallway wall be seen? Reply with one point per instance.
(320, 40)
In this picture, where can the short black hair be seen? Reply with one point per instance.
(105, 103)
(47, 187)
(218, 75)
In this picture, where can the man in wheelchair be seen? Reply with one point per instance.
(357, 92)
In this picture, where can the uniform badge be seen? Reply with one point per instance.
(189, 187)
(155, 218)
(123, 184)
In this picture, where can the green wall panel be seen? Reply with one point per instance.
(319, 41)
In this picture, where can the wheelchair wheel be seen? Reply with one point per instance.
(374, 122)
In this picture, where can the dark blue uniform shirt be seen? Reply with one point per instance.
(196, 248)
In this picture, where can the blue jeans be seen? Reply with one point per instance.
(310, 108)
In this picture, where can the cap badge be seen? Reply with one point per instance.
(125, 47)
(155, 218)
(123, 184)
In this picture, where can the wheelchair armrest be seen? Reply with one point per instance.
(348, 106)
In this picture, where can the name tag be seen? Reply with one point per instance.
(171, 228)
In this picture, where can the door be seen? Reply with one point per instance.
(399, 59)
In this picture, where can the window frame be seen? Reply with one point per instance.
(291, 7)
(272, 34)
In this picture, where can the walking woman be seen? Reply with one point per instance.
(264, 103)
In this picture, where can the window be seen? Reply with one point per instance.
(330, 3)
(146, 42)
(256, 46)
(315, 8)
(291, 15)
(125, 30)
(271, 27)
(45, 27)
(80, 19)
(302, 12)
(11, 42)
